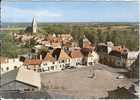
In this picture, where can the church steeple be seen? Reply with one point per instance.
(34, 25)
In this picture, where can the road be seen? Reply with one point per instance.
(108, 68)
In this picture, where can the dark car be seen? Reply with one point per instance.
(71, 67)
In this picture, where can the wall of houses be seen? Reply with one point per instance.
(112, 60)
(90, 60)
(75, 61)
(48, 66)
(35, 68)
(129, 62)
(10, 64)
(64, 62)
(14, 85)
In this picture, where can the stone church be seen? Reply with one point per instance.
(33, 28)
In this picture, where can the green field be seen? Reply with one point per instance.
(119, 33)
(9, 47)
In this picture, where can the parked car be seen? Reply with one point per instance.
(71, 67)
(120, 77)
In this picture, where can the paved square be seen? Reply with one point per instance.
(76, 82)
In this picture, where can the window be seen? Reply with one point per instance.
(45, 64)
(62, 61)
(7, 68)
(15, 67)
(68, 60)
(52, 67)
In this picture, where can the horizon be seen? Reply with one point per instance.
(67, 22)
(63, 12)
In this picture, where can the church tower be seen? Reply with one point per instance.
(34, 25)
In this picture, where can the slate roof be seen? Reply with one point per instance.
(22, 75)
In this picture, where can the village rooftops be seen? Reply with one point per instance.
(3, 60)
(118, 54)
(60, 54)
(32, 62)
(102, 44)
(121, 49)
(63, 55)
(49, 57)
(22, 75)
(76, 53)
(87, 43)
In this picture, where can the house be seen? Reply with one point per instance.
(134, 68)
(76, 57)
(62, 57)
(20, 79)
(33, 64)
(92, 58)
(131, 58)
(87, 43)
(65, 37)
(104, 47)
(9, 64)
(49, 64)
(116, 56)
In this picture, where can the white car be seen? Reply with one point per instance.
(120, 77)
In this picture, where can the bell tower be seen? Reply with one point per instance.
(34, 25)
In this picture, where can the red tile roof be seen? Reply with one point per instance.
(120, 49)
(63, 55)
(49, 57)
(87, 44)
(32, 62)
(76, 54)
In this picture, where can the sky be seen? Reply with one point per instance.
(70, 11)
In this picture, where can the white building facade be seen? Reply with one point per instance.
(10, 64)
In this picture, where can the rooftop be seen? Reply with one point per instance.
(22, 75)
(49, 57)
(76, 53)
(32, 62)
